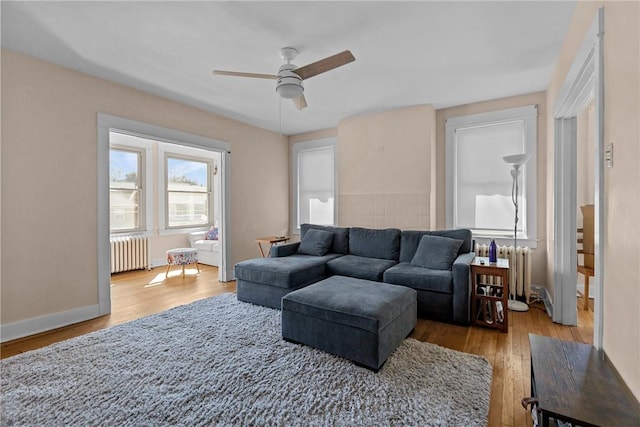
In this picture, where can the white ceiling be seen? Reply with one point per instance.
(407, 53)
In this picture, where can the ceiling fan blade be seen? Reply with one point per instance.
(325, 65)
(238, 74)
(300, 102)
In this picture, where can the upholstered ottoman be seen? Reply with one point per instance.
(182, 257)
(357, 319)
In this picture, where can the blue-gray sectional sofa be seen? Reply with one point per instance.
(436, 264)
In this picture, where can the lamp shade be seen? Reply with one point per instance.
(517, 159)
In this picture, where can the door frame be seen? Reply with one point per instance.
(107, 123)
(583, 84)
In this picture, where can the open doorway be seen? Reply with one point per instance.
(161, 196)
(166, 186)
(585, 202)
(583, 86)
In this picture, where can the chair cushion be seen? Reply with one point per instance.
(420, 278)
(316, 242)
(360, 267)
(371, 243)
(340, 244)
(436, 252)
(182, 256)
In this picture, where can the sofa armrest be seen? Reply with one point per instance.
(284, 250)
(461, 271)
(196, 235)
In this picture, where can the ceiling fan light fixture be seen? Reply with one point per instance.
(289, 83)
(289, 91)
(290, 77)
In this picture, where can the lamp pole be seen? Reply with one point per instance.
(516, 161)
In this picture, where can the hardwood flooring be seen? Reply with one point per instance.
(140, 293)
(135, 294)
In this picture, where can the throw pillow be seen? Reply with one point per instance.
(315, 242)
(340, 243)
(436, 253)
(212, 234)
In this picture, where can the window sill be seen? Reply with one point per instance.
(186, 230)
(141, 233)
(505, 241)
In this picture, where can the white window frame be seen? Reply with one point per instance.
(527, 179)
(143, 146)
(296, 148)
(170, 150)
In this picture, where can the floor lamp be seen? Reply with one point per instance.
(516, 161)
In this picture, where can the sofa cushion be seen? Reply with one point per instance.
(420, 278)
(285, 272)
(359, 267)
(340, 244)
(436, 252)
(370, 243)
(411, 239)
(315, 242)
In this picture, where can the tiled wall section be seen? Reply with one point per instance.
(396, 210)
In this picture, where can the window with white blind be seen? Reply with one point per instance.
(126, 189)
(314, 182)
(188, 191)
(130, 183)
(479, 181)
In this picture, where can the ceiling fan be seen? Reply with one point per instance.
(290, 77)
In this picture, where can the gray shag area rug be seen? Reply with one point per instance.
(223, 362)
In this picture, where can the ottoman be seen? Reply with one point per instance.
(360, 320)
(182, 256)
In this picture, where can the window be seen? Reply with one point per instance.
(479, 182)
(126, 189)
(188, 191)
(314, 182)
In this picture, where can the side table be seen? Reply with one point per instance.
(490, 293)
(270, 240)
(577, 384)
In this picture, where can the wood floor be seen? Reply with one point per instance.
(140, 293)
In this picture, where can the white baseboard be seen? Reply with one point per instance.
(35, 325)
(158, 262)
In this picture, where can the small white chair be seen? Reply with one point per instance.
(208, 250)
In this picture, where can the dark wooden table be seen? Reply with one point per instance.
(574, 383)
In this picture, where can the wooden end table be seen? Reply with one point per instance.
(489, 297)
(270, 240)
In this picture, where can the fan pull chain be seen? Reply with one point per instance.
(280, 115)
